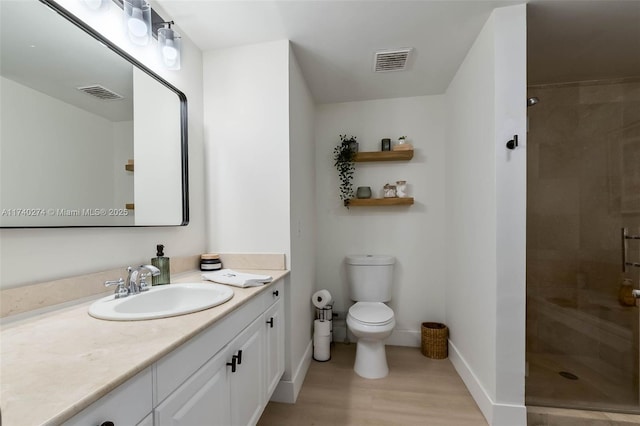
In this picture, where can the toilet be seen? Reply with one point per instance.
(370, 279)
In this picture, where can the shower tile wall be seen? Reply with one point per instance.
(583, 186)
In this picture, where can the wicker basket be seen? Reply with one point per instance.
(434, 340)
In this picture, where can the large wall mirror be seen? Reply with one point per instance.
(88, 136)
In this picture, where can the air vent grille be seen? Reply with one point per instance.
(391, 60)
(100, 92)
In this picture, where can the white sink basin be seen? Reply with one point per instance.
(161, 302)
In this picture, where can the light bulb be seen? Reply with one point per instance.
(136, 23)
(169, 47)
(169, 52)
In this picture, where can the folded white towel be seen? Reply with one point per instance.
(238, 279)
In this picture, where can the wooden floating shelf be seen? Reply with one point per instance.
(397, 201)
(130, 206)
(383, 156)
(129, 166)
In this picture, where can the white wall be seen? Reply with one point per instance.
(40, 158)
(260, 180)
(247, 142)
(68, 252)
(158, 189)
(486, 195)
(415, 234)
(303, 228)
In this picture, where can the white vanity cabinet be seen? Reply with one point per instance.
(230, 388)
(225, 369)
(227, 390)
(196, 385)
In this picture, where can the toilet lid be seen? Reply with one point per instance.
(371, 312)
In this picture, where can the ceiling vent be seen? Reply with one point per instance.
(100, 92)
(391, 60)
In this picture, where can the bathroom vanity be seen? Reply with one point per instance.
(215, 367)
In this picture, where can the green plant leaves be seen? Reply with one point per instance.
(343, 157)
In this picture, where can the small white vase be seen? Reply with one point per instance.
(401, 188)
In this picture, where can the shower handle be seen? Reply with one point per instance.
(625, 231)
(625, 248)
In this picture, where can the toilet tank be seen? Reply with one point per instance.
(370, 277)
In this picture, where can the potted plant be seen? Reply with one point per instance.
(402, 139)
(343, 156)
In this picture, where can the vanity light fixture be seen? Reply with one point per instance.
(170, 46)
(137, 21)
(96, 4)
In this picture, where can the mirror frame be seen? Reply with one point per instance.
(183, 118)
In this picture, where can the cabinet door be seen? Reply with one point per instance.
(274, 345)
(247, 383)
(202, 400)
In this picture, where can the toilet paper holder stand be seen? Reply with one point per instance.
(325, 313)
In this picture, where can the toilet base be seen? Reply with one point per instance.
(371, 359)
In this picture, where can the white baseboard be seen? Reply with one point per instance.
(287, 390)
(496, 414)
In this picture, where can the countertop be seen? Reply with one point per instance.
(54, 365)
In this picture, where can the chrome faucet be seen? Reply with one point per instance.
(136, 281)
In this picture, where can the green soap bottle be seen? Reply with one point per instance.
(161, 262)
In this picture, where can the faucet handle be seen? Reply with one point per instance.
(121, 290)
(118, 282)
(144, 285)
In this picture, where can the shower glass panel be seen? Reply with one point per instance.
(583, 187)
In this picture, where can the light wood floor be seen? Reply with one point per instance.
(417, 391)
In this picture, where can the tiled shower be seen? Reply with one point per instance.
(583, 187)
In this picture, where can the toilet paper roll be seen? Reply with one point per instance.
(321, 348)
(321, 298)
(321, 328)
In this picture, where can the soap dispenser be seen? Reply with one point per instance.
(161, 262)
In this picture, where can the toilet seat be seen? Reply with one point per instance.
(371, 313)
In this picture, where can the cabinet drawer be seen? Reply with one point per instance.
(272, 294)
(128, 404)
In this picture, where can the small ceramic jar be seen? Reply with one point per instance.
(210, 262)
(389, 191)
(363, 192)
(401, 188)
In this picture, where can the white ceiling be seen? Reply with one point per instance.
(334, 41)
(42, 50)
